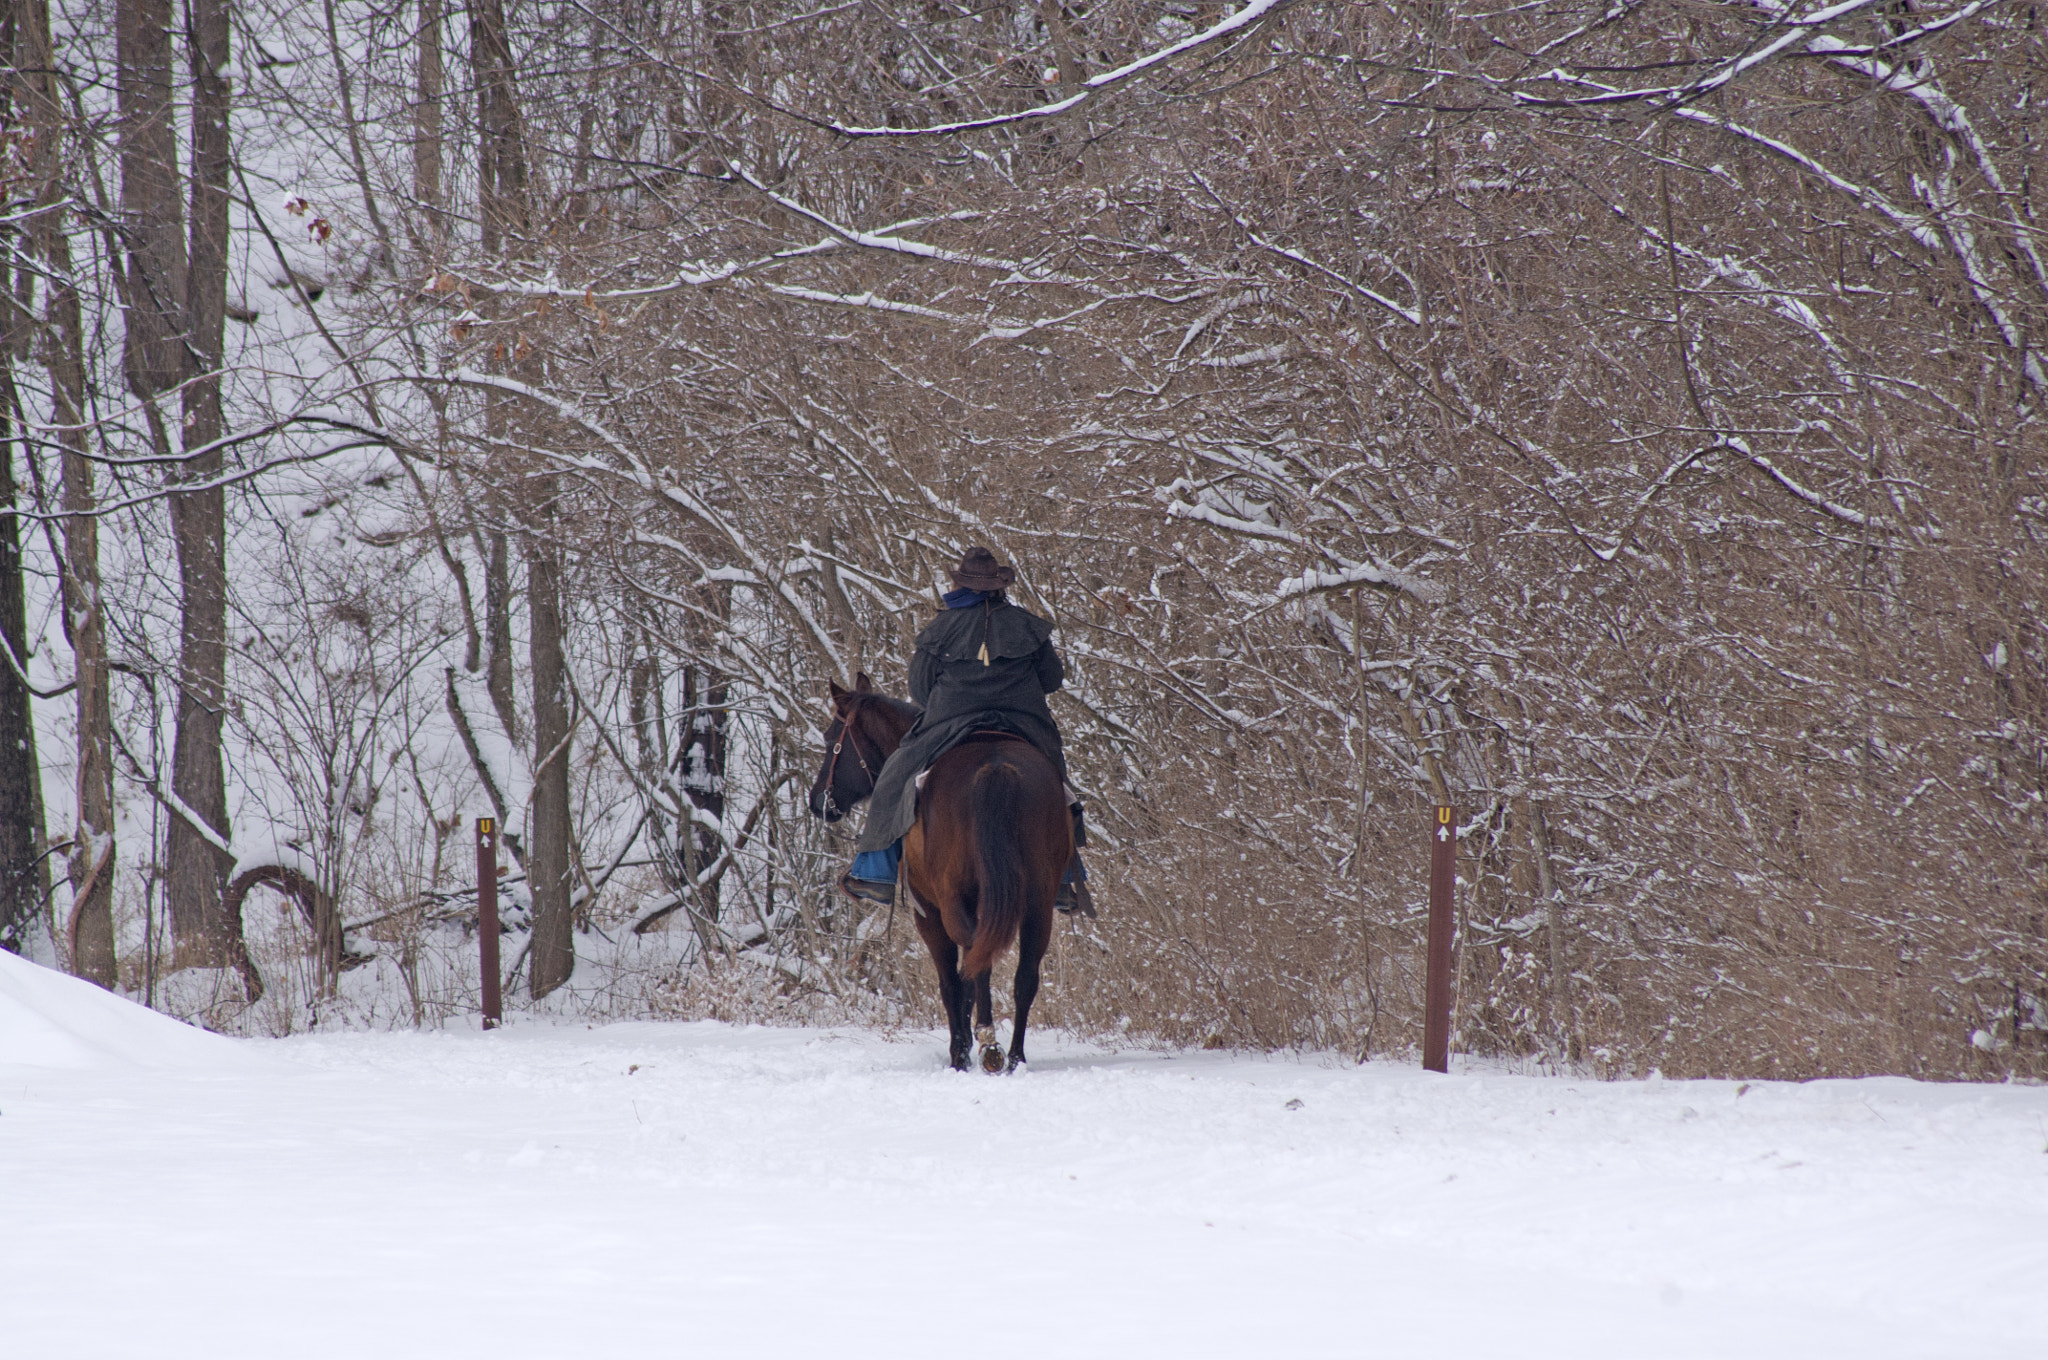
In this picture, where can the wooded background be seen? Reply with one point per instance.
(1620, 420)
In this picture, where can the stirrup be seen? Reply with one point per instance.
(1075, 899)
(867, 889)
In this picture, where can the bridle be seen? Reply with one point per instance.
(846, 731)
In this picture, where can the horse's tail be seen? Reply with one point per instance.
(995, 801)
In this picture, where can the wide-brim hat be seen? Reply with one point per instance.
(979, 570)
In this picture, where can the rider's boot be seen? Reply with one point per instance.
(867, 889)
(873, 875)
(1074, 897)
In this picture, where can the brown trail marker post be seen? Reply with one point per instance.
(1436, 999)
(487, 919)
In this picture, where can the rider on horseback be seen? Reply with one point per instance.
(983, 666)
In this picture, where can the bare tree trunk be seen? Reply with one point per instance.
(198, 869)
(88, 935)
(506, 213)
(501, 154)
(647, 715)
(676, 852)
(1053, 15)
(848, 633)
(90, 930)
(152, 223)
(21, 804)
(586, 128)
(547, 869)
(703, 772)
(501, 194)
(1553, 914)
(1438, 786)
(498, 628)
(426, 116)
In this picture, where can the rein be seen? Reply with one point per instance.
(846, 731)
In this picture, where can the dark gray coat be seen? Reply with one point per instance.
(960, 695)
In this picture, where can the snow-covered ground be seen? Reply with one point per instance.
(648, 1189)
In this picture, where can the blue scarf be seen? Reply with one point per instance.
(967, 599)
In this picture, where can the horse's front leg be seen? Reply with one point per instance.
(953, 989)
(985, 1026)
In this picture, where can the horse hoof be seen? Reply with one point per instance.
(1016, 1065)
(991, 1059)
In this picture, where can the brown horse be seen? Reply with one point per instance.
(983, 860)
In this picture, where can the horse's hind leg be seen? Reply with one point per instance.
(1032, 940)
(985, 1026)
(953, 989)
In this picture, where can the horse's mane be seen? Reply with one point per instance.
(902, 708)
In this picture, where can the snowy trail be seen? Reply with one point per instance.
(780, 1192)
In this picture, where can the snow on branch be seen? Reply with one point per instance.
(235, 478)
(1946, 232)
(1651, 492)
(1795, 34)
(276, 854)
(15, 664)
(694, 274)
(493, 765)
(1263, 354)
(172, 803)
(1919, 85)
(899, 245)
(1381, 575)
(1243, 21)
(1385, 577)
(870, 302)
(636, 470)
(1747, 278)
(686, 277)
(733, 842)
(1234, 524)
(1410, 315)
(1614, 11)
(1947, 228)
(839, 235)
(591, 887)
(1805, 493)
(1017, 330)
(1893, 41)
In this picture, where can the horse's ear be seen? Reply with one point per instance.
(837, 693)
(862, 683)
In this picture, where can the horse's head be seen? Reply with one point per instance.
(854, 750)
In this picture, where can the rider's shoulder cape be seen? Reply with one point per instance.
(1007, 629)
